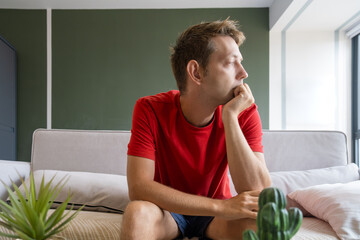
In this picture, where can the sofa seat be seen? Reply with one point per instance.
(315, 229)
(90, 225)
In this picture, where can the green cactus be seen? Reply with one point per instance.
(274, 222)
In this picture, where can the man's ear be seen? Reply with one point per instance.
(194, 71)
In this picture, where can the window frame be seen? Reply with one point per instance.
(355, 97)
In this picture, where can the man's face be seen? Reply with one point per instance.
(224, 71)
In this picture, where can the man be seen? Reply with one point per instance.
(183, 143)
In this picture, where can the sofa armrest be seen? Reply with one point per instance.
(12, 171)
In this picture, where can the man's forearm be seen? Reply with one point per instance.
(175, 201)
(241, 206)
(247, 170)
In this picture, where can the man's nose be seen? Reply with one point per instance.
(242, 74)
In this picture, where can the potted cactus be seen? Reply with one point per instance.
(274, 222)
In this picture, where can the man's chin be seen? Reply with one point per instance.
(227, 100)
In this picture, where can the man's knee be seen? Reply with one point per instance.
(242, 226)
(139, 219)
(141, 211)
(145, 220)
(222, 229)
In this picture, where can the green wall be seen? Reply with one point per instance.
(104, 60)
(26, 31)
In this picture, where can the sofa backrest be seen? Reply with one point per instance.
(106, 151)
(303, 150)
(80, 150)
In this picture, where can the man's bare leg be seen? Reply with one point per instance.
(222, 229)
(145, 220)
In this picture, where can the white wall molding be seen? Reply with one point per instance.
(354, 28)
(276, 10)
(49, 68)
(131, 4)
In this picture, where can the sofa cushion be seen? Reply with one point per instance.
(98, 191)
(289, 181)
(338, 204)
(12, 171)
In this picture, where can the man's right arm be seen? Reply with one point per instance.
(140, 175)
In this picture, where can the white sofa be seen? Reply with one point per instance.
(96, 164)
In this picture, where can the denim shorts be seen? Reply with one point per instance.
(192, 226)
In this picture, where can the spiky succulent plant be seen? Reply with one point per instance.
(27, 215)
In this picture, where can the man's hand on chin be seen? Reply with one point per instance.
(242, 100)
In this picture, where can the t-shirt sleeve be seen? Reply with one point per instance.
(142, 140)
(250, 124)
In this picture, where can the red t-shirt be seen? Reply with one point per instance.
(188, 158)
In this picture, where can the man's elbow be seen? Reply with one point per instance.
(257, 184)
(266, 181)
(132, 195)
(135, 192)
(265, 178)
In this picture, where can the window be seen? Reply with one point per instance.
(356, 97)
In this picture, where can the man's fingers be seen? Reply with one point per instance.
(254, 192)
(237, 91)
(242, 87)
(254, 206)
(253, 198)
(251, 214)
(247, 87)
(252, 203)
(242, 90)
(244, 205)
